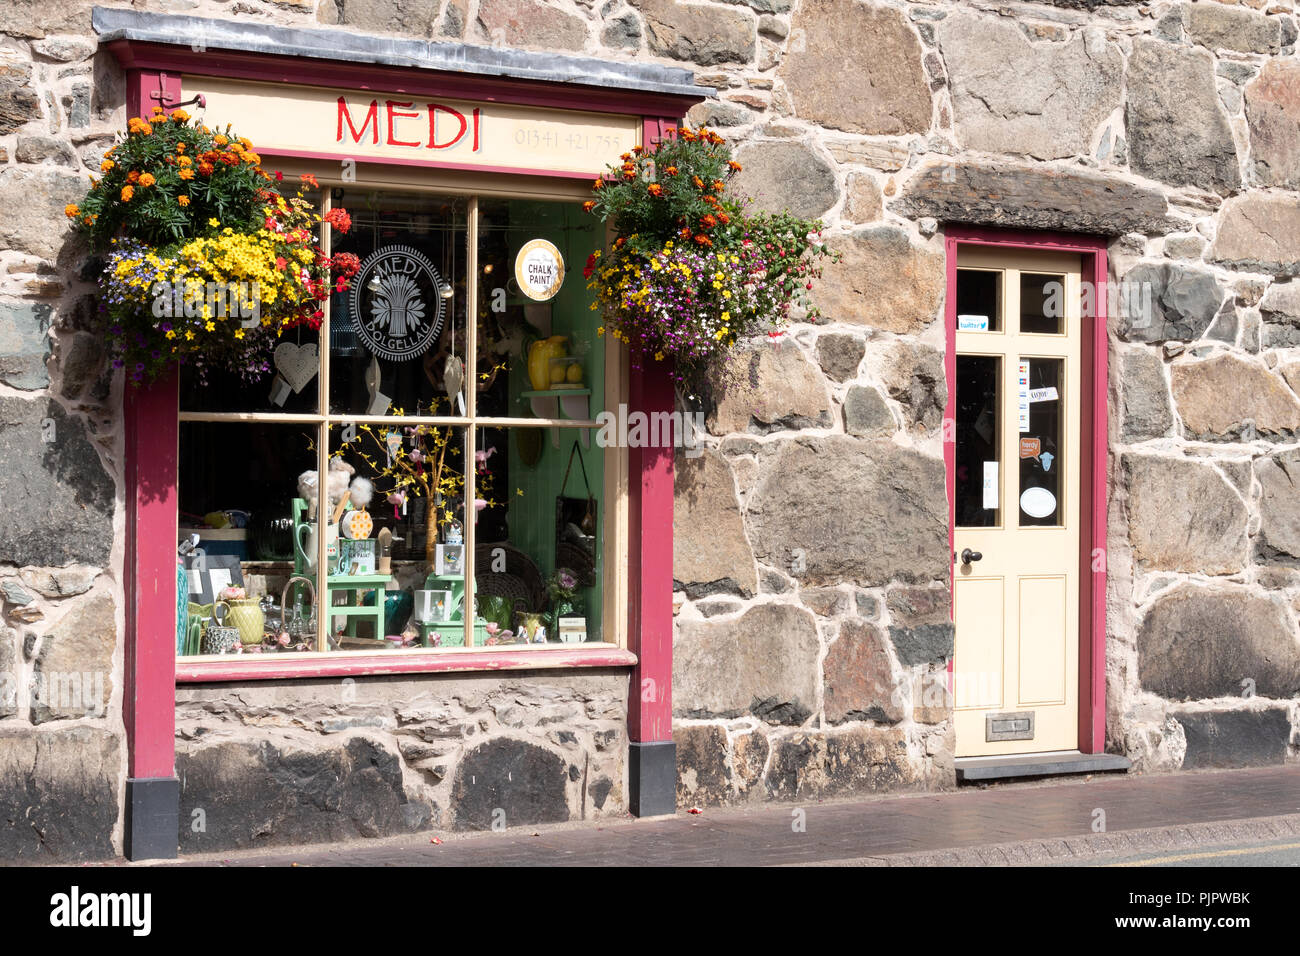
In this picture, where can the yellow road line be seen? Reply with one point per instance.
(1203, 856)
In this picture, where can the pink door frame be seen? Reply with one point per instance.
(152, 431)
(1093, 499)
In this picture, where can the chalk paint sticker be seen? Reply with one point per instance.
(1037, 502)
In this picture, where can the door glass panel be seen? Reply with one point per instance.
(979, 300)
(1041, 440)
(1042, 303)
(978, 441)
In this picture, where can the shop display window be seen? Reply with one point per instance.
(468, 502)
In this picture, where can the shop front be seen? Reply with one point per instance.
(1016, 499)
(454, 626)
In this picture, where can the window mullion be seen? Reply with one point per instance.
(323, 620)
(471, 406)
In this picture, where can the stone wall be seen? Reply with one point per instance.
(812, 556)
(62, 747)
(284, 762)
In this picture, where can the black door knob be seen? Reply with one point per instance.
(967, 556)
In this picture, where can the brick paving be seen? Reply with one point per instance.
(1000, 825)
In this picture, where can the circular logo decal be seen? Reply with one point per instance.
(539, 270)
(397, 303)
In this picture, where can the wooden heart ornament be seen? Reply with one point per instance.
(297, 363)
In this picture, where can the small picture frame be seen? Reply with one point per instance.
(449, 559)
(209, 573)
(573, 630)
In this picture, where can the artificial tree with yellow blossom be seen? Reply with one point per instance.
(208, 262)
(420, 461)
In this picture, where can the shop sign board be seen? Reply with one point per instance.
(404, 127)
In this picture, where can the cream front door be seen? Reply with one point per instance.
(1017, 509)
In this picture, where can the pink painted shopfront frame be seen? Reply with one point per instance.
(155, 71)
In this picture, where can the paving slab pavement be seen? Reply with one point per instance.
(1071, 819)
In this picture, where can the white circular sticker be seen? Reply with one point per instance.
(539, 270)
(1037, 502)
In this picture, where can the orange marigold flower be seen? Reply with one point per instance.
(671, 170)
(629, 174)
(626, 157)
(589, 205)
(71, 210)
(719, 185)
(252, 158)
(310, 180)
(138, 124)
(185, 173)
(87, 220)
(157, 109)
(180, 147)
(638, 150)
(699, 183)
(686, 135)
(245, 142)
(180, 116)
(723, 218)
(183, 200)
(127, 193)
(206, 168)
(708, 221)
(106, 165)
(147, 180)
(598, 184)
(230, 159)
(735, 166)
(220, 140)
(133, 176)
(184, 160)
(685, 233)
(703, 240)
(656, 190)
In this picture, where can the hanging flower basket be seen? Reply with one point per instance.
(691, 271)
(207, 261)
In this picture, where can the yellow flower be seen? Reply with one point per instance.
(214, 223)
(171, 333)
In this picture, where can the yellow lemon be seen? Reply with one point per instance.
(574, 374)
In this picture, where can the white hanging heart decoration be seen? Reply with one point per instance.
(297, 363)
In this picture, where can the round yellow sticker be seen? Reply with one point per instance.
(539, 269)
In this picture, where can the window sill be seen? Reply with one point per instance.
(359, 664)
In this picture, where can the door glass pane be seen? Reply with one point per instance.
(1042, 400)
(397, 337)
(978, 441)
(979, 300)
(1042, 303)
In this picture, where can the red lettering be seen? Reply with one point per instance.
(477, 117)
(394, 114)
(434, 108)
(372, 120)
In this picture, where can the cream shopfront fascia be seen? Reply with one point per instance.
(462, 169)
